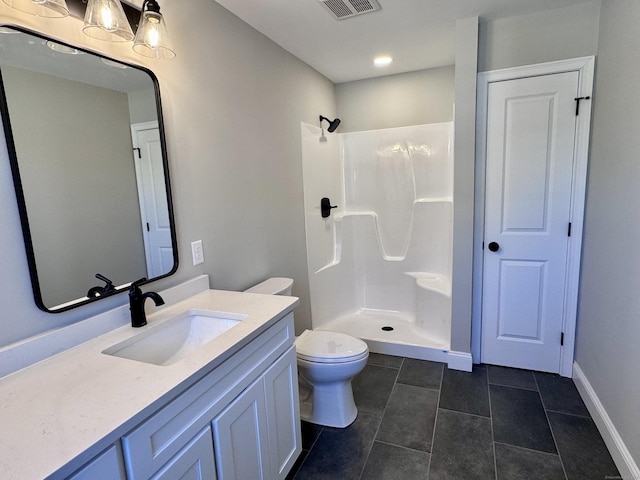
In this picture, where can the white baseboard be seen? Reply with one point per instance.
(460, 361)
(624, 461)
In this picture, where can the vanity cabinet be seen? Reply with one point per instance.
(244, 414)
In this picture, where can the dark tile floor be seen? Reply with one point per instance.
(420, 420)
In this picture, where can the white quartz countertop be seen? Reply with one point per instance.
(81, 399)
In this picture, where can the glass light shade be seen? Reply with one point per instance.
(106, 20)
(41, 8)
(152, 39)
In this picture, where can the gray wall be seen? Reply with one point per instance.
(546, 36)
(463, 183)
(142, 106)
(59, 178)
(399, 100)
(609, 310)
(233, 102)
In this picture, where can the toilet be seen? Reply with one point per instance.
(327, 361)
(273, 286)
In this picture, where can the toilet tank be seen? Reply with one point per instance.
(273, 286)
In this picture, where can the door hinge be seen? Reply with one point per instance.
(148, 229)
(569, 230)
(562, 339)
(138, 151)
(578, 103)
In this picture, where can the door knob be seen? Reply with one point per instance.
(494, 246)
(325, 207)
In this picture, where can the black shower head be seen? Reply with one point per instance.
(332, 124)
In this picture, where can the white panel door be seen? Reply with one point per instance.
(153, 199)
(531, 129)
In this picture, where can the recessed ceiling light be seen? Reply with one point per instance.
(57, 47)
(112, 63)
(382, 61)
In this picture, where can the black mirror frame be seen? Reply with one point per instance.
(22, 206)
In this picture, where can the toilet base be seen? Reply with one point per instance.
(330, 405)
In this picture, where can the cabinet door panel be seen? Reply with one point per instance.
(283, 409)
(240, 434)
(194, 462)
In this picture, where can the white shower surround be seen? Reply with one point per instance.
(384, 256)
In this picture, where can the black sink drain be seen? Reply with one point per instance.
(387, 329)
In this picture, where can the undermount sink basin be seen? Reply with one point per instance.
(176, 338)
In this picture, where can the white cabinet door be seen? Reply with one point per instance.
(240, 435)
(283, 414)
(194, 462)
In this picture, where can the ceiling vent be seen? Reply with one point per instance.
(341, 9)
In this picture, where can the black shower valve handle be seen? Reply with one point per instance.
(325, 207)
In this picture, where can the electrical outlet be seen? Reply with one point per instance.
(197, 253)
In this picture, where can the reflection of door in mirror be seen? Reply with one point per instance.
(153, 198)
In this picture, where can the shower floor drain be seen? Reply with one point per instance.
(387, 329)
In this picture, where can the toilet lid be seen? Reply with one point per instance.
(329, 347)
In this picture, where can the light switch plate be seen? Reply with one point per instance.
(197, 253)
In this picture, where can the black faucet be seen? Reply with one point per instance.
(136, 303)
(100, 291)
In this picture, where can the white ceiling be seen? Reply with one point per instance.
(418, 34)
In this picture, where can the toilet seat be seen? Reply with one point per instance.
(329, 347)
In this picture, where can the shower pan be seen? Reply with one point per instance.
(380, 263)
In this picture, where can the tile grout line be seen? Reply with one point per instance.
(308, 452)
(402, 447)
(317, 438)
(373, 440)
(513, 386)
(465, 413)
(546, 415)
(569, 414)
(435, 423)
(527, 449)
(493, 438)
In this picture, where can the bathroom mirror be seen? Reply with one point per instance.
(87, 152)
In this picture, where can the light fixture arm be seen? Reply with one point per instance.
(150, 6)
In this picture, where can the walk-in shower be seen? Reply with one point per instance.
(380, 262)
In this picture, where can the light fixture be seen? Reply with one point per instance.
(41, 8)
(382, 61)
(109, 20)
(105, 20)
(152, 39)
